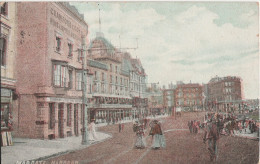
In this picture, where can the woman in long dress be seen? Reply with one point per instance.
(92, 131)
(158, 137)
(140, 140)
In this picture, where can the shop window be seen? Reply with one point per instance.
(69, 115)
(3, 51)
(70, 45)
(60, 75)
(58, 44)
(4, 9)
(78, 80)
(6, 117)
(51, 115)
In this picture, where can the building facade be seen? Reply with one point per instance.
(225, 93)
(168, 100)
(49, 70)
(8, 54)
(189, 97)
(111, 100)
(155, 100)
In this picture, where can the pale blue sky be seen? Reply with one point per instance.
(184, 40)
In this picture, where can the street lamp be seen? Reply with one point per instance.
(84, 94)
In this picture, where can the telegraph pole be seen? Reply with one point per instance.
(84, 93)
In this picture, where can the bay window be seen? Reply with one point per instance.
(60, 75)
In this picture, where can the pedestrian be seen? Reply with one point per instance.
(92, 130)
(119, 126)
(140, 141)
(158, 137)
(190, 126)
(211, 135)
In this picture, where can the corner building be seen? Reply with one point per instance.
(49, 70)
(225, 93)
(111, 101)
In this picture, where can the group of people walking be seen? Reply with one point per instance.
(155, 132)
(194, 126)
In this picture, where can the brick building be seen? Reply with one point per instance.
(8, 54)
(189, 96)
(225, 93)
(49, 70)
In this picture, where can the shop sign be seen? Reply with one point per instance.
(5, 92)
(64, 100)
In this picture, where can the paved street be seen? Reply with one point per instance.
(181, 147)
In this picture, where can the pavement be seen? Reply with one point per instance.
(25, 149)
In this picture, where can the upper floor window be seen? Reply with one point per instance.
(70, 45)
(4, 9)
(80, 55)
(78, 80)
(58, 44)
(3, 51)
(116, 69)
(111, 68)
(103, 76)
(60, 75)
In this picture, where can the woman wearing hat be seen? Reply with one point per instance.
(158, 137)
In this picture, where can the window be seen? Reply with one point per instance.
(111, 78)
(78, 80)
(3, 51)
(116, 79)
(51, 115)
(60, 75)
(4, 9)
(70, 49)
(70, 79)
(80, 55)
(111, 68)
(103, 76)
(68, 114)
(116, 69)
(58, 44)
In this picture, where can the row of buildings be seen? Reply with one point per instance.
(41, 73)
(222, 94)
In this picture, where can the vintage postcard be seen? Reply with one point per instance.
(127, 82)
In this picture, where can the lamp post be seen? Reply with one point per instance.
(84, 93)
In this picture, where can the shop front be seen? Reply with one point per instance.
(6, 116)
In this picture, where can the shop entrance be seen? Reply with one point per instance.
(61, 122)
(76, 128)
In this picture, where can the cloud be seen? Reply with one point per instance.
(186, 45)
